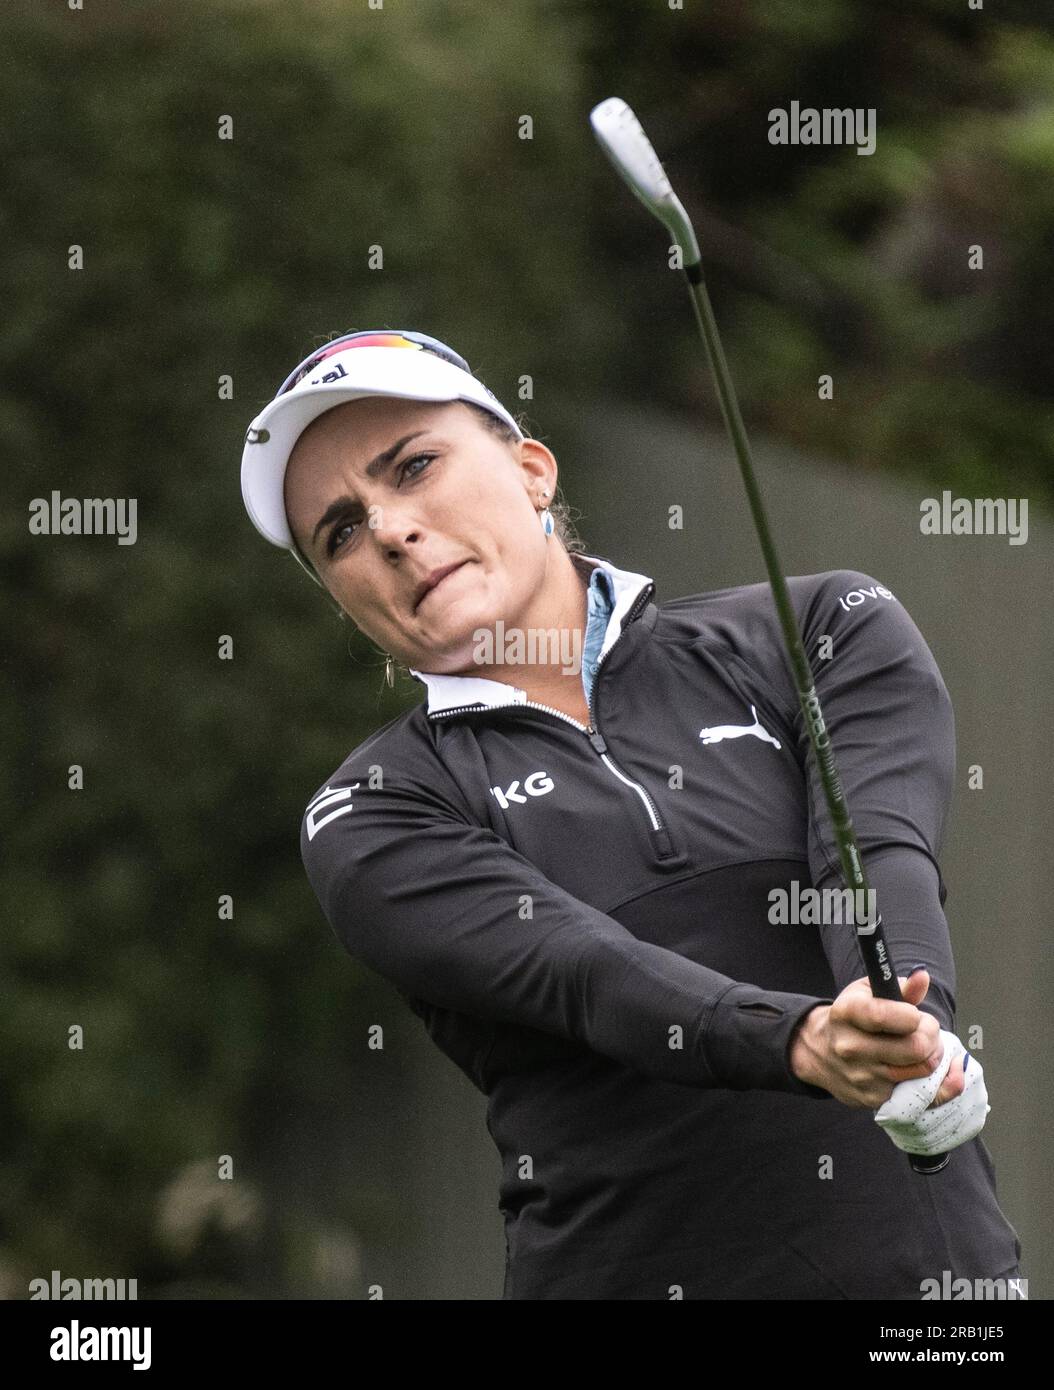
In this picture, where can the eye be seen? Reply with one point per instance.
(332, 543)
(404, 468)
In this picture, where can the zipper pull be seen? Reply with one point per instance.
(662, 839)
(596, 738)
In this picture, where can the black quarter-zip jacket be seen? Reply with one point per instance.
(582, 918)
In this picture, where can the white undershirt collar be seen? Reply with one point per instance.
(451, 692)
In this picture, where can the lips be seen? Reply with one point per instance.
(434, 580)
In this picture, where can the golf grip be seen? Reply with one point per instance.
(870, 937)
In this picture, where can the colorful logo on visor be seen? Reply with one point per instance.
(374, 339)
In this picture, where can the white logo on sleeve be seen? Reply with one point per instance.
(720, 731)
(328, 796)
(855, 597)
(537, 784)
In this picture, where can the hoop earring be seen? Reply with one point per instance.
(389, 672)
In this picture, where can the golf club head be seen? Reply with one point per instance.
(622, 139)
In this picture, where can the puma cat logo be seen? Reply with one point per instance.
(720, 731)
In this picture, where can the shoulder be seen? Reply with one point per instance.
(392, 742)
(748, 611)
(852, 626)
(399, 755)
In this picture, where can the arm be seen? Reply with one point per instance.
(892, 727)
(447, 911)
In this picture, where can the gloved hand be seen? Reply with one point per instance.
(915, 1127)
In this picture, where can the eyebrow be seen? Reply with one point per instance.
(375, 466)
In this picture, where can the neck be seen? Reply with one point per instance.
(544, 657)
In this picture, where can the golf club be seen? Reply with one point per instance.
(626, 145)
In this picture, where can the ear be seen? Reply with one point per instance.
(539, 466)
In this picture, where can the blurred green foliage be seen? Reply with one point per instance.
(204, 257)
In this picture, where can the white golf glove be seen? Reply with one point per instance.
(915, 1128)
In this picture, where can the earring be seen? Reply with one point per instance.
(389, 671)
(546, 518)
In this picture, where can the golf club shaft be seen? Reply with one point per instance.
(623, 140)
(870, 936)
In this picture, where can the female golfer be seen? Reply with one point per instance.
(593, 861)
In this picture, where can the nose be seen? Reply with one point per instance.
(393, 524)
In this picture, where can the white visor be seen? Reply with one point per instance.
(412, 373)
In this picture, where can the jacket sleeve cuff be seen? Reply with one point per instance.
(748, 1039)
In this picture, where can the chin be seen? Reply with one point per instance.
(452, 642)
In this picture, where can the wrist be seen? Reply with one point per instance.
(804, 1051)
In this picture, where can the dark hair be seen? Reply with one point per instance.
(565, 532)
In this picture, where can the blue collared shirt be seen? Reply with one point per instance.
(600, 600)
